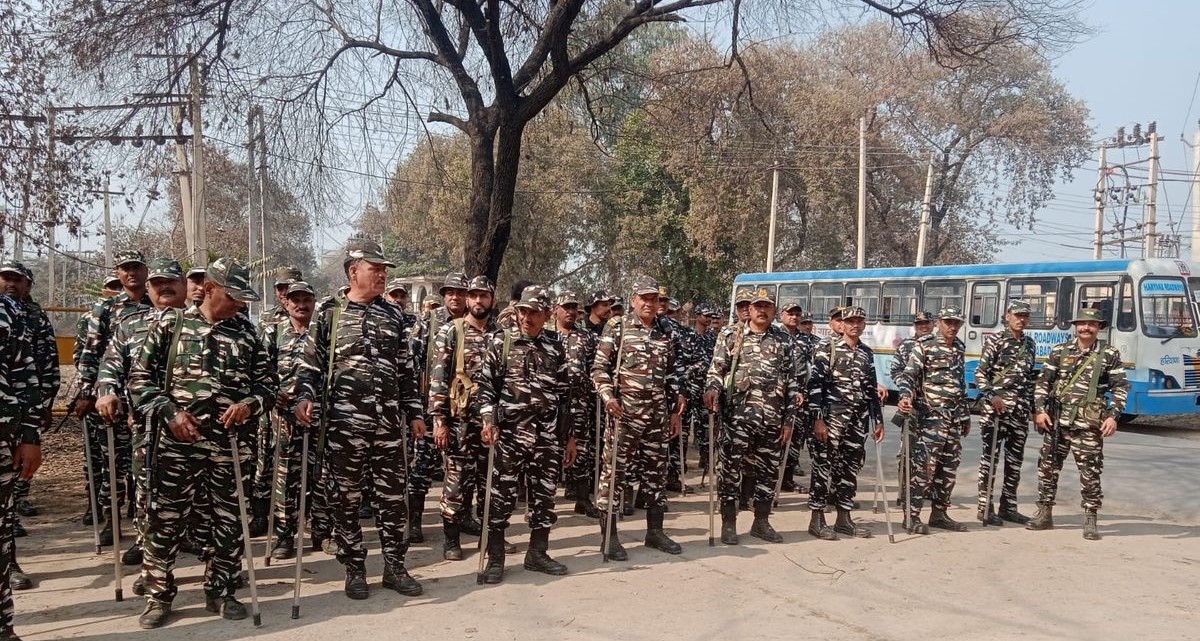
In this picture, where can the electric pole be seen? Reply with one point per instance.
(774, 209)
(1098, 240)
(862, 193)
(1195, 199)
(200, 231)
(1150, 249)
(251, 185)
(926, 204)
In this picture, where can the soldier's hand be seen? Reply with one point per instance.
(675, 426)
(441, 435)
(108, 406)
(303, 412)
(966, 428)
(820, 430)
(785, 434)
(998, 405)
(184, 427)
(1108, 427)
(570, 453)
(489, 433)
(800, 400)
(613, 407)
(881, 391)
(27, 458)
(282, 399)
(418, 429)
(235, 415)
(879, 431)
(83, 406)
(710, 399)
(1042, 421)
(905, 405)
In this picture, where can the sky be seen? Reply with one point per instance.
(1141, 65)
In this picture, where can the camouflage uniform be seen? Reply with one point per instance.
(934, 379)
(580, 348)
(802, 350)
(638, 366)
(1063, 391)
(1005, 371)
(265, 445)
(19, 393)
(696, 415)
(217, 365)
(685, 338)
(895, 369)
(363, 405)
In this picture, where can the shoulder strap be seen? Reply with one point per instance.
(173, 351)
(460, 346)
(1094, 384)
(507, 345)
(334, 317)
(1078, 373)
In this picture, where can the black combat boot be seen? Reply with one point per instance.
(356, 581)
(1043, 518)
(915, 526)
(989, 517)
(1013, 516)
(87, 518)
(258, 516)
(106, 532)
(627, 503)
(1090, 531)
(570, 491)
(536, 559)
(397, 578)
(642, 500)
(846, 525)
(285, 548)
(789, 480)
(227, 606)
(761, 527)
(939, 519)
(493, 572)
(18, 529)
(416, 507)
(615, 551)
(467, 524)
(451, 547)
(818, 528)
(747, 491)
(155, 615)
(139, 585)
(655, 536)
(583, 500)
(18, 580)
(729, 535)
(132, 556)
(25, 508)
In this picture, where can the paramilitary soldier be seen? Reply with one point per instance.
(802, 347)
(203, 378)
(579, 345)
(1005, 379)
(922, 326)
(704, 340)
(640, 381)
(527, 404)
(286, 343)
(756, 371)
(933, 385)
(132, 270)
(843, 397)
(366, 388)
(458, 354)
(1079, 396)
(20, 442)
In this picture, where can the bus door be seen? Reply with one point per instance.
(1099, 296)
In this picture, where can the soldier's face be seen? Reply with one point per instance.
(220, 304)
(762, 313)
(702, 323)
(531, 321)
(922, 328)
(132, 275)
(948, 327)
(300, 306)
(566, 315)
(743, 312)
(15, 285)
(455, 300)
(1087, 329)
(281, 293)
(480, 303)
(837, 325)
(195, 289)
(662, 306)
(806, 327)
(790, 319)
(368, 277)
(1016, 322)
(167, 292)
(602, 310)
(645, 306)
(853, 327)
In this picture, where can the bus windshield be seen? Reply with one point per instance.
(1167, 308)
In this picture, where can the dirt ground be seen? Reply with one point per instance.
(1142, 580)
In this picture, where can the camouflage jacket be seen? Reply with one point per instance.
(123, 349)
(529, 388)
(217, 365)
(20, 392)
(445, 363)
(1059, 370)
(1006, 368)
(507, 318)
(374, 374)
(651, 375)
(102, 321)
(596, 329)
(900, 358)
(842, 377)
(703, 346)
(285, 347)
(934, 376)
(45, 351)
(272, 316)
(802, 349)
(764, 382)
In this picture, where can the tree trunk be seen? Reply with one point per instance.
(495, 161)
(483, 178)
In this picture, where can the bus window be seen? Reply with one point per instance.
(985, 304)
(899, 303)
(1042, 296)
(794, 293)
(1126, 317)
(939, 294)
(1098, 296)
(866, 296)
(824, 297)
(1166, 309)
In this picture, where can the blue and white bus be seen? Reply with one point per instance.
(1152, 306)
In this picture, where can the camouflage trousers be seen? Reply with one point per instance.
(265, 444)
(801, 432)
(1012, 428)
(1087, 446)
(527, 449)
(361, 449)
(426, 461)
(748, 449)
(97, 435)
(936, 454)
(466, 463)
(695, 420)
(180, 470)
(287, 486)
(837, 461)
(642, 451)
(584, 468)
(8, 478)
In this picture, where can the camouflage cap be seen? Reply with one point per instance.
(792, 305)
(197, 271)
(481, 284)
(950, 312)
(923, 317)
(234, 277)
(618, 302)
(761, 295)
(168, 268)
(566, 297)
(663, 291)
(743, 296)
(853, 311)
(644, 285)
(673, 305)
(454, 280)
(365, 249)
(14, 267)
(600, 296)
(128, 256)
(113, 281)
(712, 312)
(432, 301)
(287, 276)
(806, 317)
(300, 287)
(1091, 314)
(396, 284)
(534, 297)
(1019, 307)
(837, 313)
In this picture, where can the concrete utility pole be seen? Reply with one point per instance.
(251, 185)
(862, 193)
(108, 248)
(264, 229)
(51, 212)
(1100, 195)
(774, 209)
(926, 204)
(1150, 249)
(1195, 200)
(199, 219)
